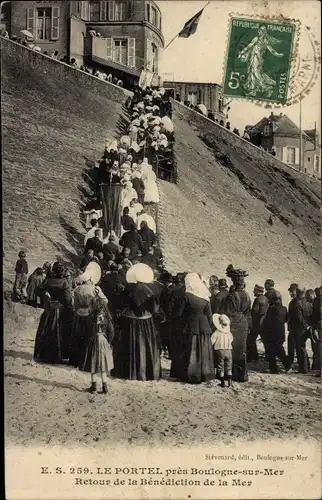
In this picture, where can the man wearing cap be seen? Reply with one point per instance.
(95, 243)
(259, 310)
(290, 338)
(216, 299)
(299, 325)
(273, 333)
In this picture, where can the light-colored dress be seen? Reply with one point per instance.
(151, 188)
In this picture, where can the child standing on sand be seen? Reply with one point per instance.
(221, 340)
(21, 269)
(99, 357)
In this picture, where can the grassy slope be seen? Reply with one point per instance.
(49, 129)
(220, 219)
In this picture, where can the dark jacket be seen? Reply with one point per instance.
(150, 260)
(316, 313)
(126, 222)
(58, 290)
(133, 241)
(94, 244)
(112, 283)
(269, 294)
(138, 185)
(216, 300)
(21, 266)
(259, 310)
(148, 238)
(273, 326)
(300, 312)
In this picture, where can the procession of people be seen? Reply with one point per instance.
(121, 310)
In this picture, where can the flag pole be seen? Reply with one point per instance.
(174, 38)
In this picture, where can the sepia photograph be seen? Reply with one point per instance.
(161, 180)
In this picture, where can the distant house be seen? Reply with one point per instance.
(209, 94)
(278, 134)
(120, 37)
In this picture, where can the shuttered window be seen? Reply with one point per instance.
(31, 20)
(55, 23)
(149, 57)
(290, 156)
(131, 52)
(84, 10)
(103, 11)
(109, 48)
(111, 10)
(94, 11)
(43, 22)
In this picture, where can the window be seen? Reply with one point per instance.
(154, 16)
(192, 98)
(308, 158)
(220, 106)
(43, 23)
(267, 130)
(120, 51)
(148, 8)
(154, 58)
(119, 10)
(94, 11)
(290, 156)
(317, 164)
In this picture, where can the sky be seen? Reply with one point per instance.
(200, 58)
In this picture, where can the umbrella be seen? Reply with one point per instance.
(203, 109)
(27, 34)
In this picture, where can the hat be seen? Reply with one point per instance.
(22, 254)
(140, 273)
(92, 273)
(301, 289)
(269, 282)
(221, 322)
(293, 287)
(259, 288)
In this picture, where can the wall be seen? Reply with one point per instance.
(195, 119)
(77, 38)
(207, 94)
(19, 22)
(40, 62)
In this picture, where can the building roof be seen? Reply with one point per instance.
(175, 82)
(283, 126)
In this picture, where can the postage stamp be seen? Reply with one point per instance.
(259, 59)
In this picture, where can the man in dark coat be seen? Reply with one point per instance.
(259, 310)
(290, 338)
(216, 299)
(147, 235)
(111, 249)
(87, 258)
(94, 243)
(316, 331)
(299, 325)
(112, 285)
(149, 259)
(273, 332)
(133, 241)
(139, 187)
(269, 288)
(126, 220)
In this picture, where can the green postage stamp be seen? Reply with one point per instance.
(259, 59)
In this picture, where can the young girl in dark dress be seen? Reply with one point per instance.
(99, 358)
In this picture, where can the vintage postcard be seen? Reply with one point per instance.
(161, 169)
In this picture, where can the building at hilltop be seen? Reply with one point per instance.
(278, 134)
(119, 36)
(209, 94)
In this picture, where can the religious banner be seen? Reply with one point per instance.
(146, 78)
(111, 201)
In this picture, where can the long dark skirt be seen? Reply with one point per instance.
(53, 336)
(197, 360)
(137, 350)
(83, 329)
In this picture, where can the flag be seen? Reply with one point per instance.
(145, 79)
(191, 26)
